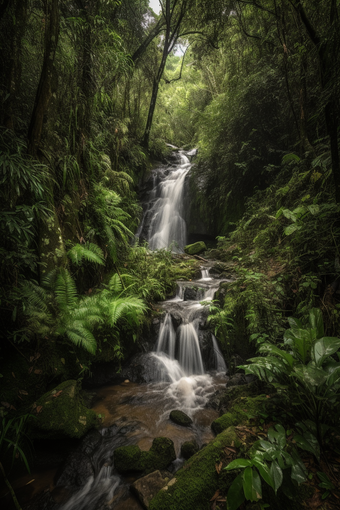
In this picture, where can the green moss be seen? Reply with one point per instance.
(194, 485)
(189, 448)
(61, 412)
(131, 458)
(180, 418)
(241, 410)
(194, 249)
(127, 458)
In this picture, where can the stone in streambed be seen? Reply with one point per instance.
(131, 458)
(180, 418)
(147, 487)
(196, 248)
(189, 448)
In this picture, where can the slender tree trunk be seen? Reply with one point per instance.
(44, 93)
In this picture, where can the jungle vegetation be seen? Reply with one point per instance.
(90, 93)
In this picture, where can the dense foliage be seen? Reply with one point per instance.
(90, 93)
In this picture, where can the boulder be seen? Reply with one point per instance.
(143, 368)
(61, 412)
(196, 248)
(189, 448)
(146, 488)
(131, 458)
(180, 418)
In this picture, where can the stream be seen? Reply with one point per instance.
(185, 368)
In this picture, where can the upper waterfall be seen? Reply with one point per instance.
(163, 224)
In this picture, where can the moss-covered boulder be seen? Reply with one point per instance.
(242, 409)
(131, 458)
(196, 248)
(61, 412)
(180, 418)
(189, 448)
(194, 485)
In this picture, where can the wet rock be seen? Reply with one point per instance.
(63, 413)
(241, 379)
(78, 466)
(146, 488)
(189, 448)
(180, 418)
(131, 458)
(77, 470)
(143, 368)
(191, 294)
(196, 248)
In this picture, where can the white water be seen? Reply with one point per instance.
(168, 228)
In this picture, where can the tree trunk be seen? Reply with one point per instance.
(44, 93)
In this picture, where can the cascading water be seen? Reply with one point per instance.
(188, 365)
(163, 224)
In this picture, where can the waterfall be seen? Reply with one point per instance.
(190, 357)
(167, 337)
(163, 224)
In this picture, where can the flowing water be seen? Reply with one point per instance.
(163, 224)
(189, 366)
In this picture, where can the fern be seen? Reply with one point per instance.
(90, 252)
(65, 290)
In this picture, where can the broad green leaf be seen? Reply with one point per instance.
(299, 471)
(309, 443)
(257, 485)
(323, 348)
(316, 321)
(238, 463)
(276, 474)
(235, 496)
(277, 436)
(294, 323)
(249, 487)
(291, 229)
(279, 352)
(310, 375)
(334, 377)
(264, 471)
(314, 209)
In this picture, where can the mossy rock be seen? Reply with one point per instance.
(180, 418)
(196, 248)
(189, 448)
(131, 458)
(61, 412)
(126, 458)
(241, 410)
(194, 485)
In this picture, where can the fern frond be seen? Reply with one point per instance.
(79, 335)
(65, 291)
(90, 252)
(129, 307)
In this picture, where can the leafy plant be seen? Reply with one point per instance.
(268, 460)
(325, 483)
(305, 372)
